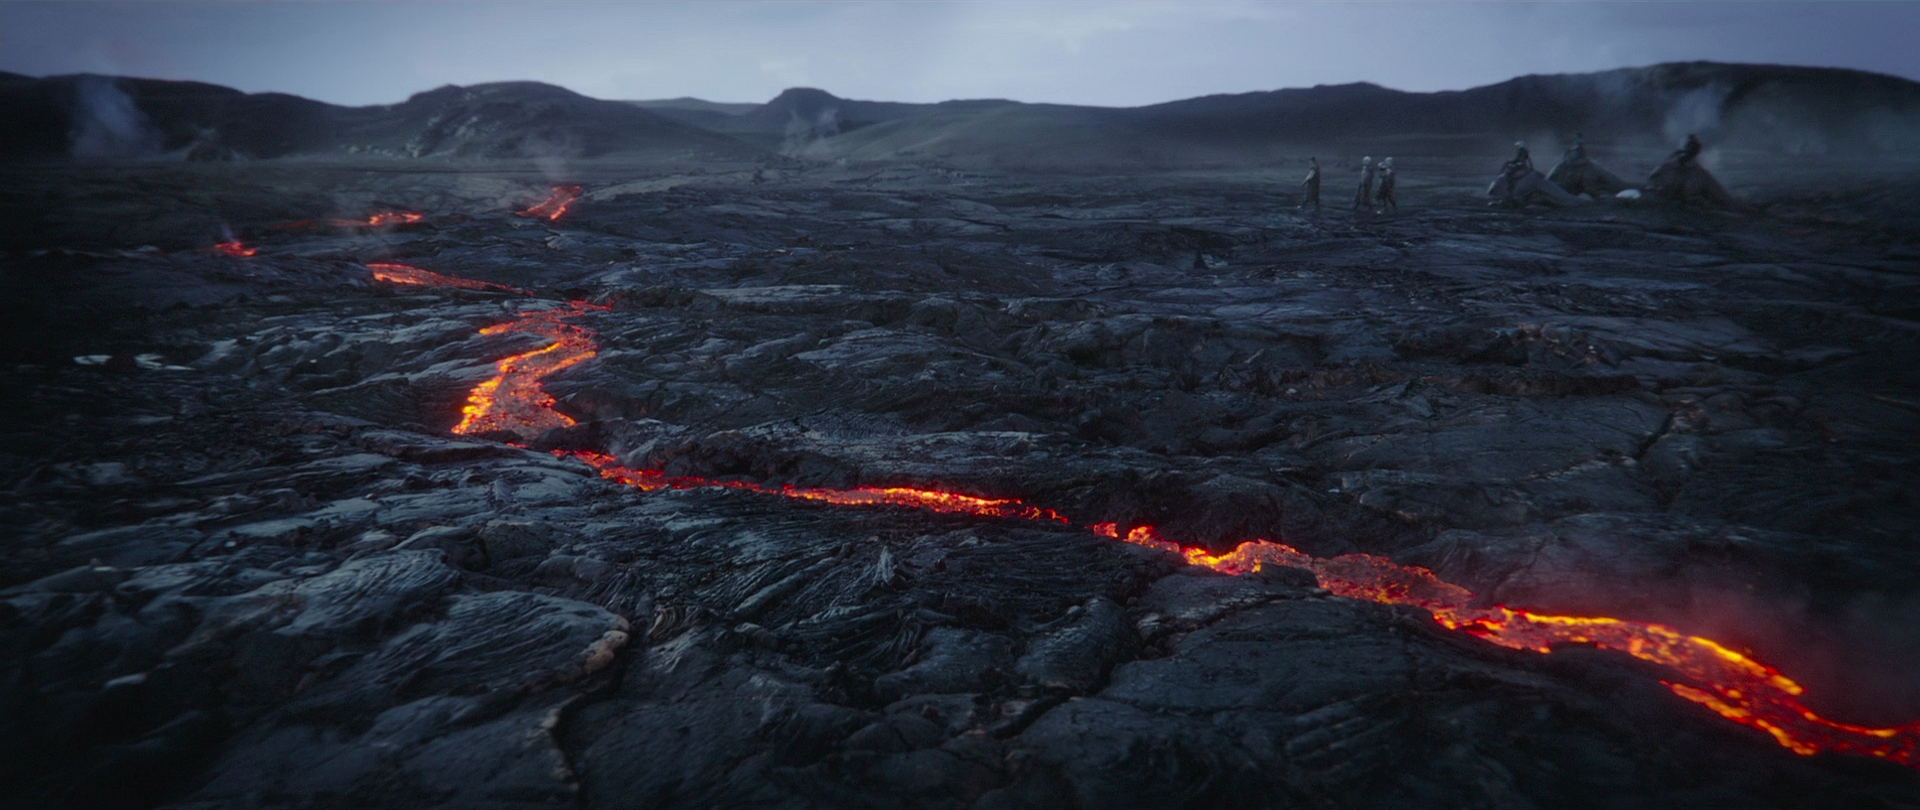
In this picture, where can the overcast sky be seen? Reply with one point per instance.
(1104, 53)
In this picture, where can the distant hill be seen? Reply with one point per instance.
(1788, 110)
(100, 116)
(710, 115)
(1792, 109)
(525, 119)
(801, 115)
(691, 103)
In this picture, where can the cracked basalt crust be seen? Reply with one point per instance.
(247, 565)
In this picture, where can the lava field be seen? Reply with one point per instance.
(805, 484)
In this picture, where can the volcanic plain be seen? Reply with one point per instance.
(249, 562)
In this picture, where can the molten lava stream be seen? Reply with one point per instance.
(233, 247)
(1734, 686)
(389, 218)
(512, 400)
(930, 499)
(376, 220)
(554, 205)
(404, 274)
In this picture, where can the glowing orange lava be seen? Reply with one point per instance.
(405, 274)
(376, 220)
(554, 205)
(1725, 681)
(1734, 686)
(389, 218)
(233, 247)
(930, 499)
(513, 400)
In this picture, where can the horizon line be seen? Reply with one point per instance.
(784, 91)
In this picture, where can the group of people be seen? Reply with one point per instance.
(1369, 197)
(1681, 179)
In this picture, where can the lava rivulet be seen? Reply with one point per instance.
(1736, 687)
(233, 247)
(929, 499)
(389, 218)
(1705, 672)
(404, 274)
(554, 205)
(512, 400)
(379, 219)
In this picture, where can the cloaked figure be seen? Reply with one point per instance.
(1578, 174)
(1683, 180)
(1514, 169)
(1522, 159)
(1312, 184)
(1363, 200)
(1383, 199)
(1519, 183)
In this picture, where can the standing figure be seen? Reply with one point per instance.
(1691, 151)
(1578, 175)
(1683, 180)
(1384, 201)
(1313, 185)
(1363, 201)
(1515, 171)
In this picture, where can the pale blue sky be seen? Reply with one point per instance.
(1088, 52)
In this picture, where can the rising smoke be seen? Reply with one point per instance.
(1695, 112)
(803, 136)
(1796, 118)
(107, 125)
(550, 149)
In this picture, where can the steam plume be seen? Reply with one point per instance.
(107, 125)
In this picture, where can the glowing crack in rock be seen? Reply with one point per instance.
(233, 247)
(1732, 685)
(379, 219)
(385, 218)
(405, 274)
(1725, 681)
(512, 400)
(930, 499)
(554, 205)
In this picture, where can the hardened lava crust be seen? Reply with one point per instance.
(816, 484)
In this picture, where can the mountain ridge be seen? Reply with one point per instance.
(1793, 110)
(106, 117)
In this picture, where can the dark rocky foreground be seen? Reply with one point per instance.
(246, 564)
